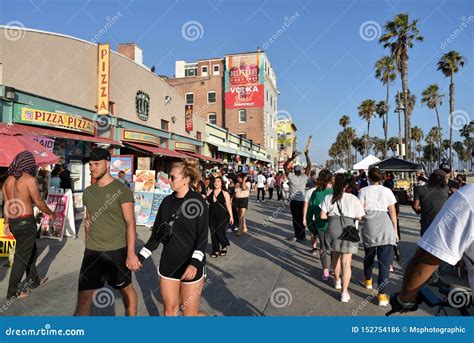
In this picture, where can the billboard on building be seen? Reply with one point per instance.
(244, 81)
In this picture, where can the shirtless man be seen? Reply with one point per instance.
(20, 192)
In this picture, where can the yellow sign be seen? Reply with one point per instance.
(104, 79)
(183, 146)
(59, 120)
(140, 137)
(7, 243)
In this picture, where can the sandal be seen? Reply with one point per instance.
(223, 252)
(214, 255)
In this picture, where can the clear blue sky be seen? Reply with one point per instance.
(324, 67)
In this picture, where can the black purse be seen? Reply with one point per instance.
(349, 232)
(165, 230)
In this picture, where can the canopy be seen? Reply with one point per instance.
(366, 162)
(12, 144)
(397, 165)
(341, 171)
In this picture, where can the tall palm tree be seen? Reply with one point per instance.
(458, 147)
(449, 64)
(416, 135)
(400, 35)
(359, 147)
(408, 110)
(366, 111)
(433, 98)
(344, 121)
(385, 71)
(381, 110)
(350, 135)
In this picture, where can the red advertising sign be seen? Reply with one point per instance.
(245, 96)
(188, 118)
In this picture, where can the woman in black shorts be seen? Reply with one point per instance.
(183, 262)
(242, 193)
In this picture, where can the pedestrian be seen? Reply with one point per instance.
(379, 233)
(235, 215)
(270, 186)
(317, 226)
(429, 199)
(110, 237)
(285, 187)
(308, 218)
(297, 186)
(278, 187)
(20, 192)
(242, 193)
(220, 215)
(452, 184)
(461, 180)
(421, 179)
(311, 180)
(362, 179)
(122, 179)
(341, 209)
(65, 176)
(55, 181)
(448, 239)
(181, 225)
(261, 180)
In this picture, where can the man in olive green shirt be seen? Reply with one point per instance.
(110, 235)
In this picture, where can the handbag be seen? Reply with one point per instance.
(165, 230)
(349, 232)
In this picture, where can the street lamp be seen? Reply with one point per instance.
(399, 108)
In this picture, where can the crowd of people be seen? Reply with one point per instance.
(338, 210)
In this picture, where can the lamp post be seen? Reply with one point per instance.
(400, 108)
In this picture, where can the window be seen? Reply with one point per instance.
(211, 97)
(282, 146)
(243, 135)
(191, 71)
(215, 70)
(164, 125)
(198, 135)
(204, 70)
(189, 98)
(242, 116)
(267, 95)
(163, 142)
(212, 118)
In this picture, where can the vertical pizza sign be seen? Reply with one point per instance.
(188, 118)
(244, 82)
(104, 78)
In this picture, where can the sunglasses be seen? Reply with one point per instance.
(172, 177)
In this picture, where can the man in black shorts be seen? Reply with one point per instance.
(110, 236)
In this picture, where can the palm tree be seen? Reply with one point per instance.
(381, 110)
(400, 35)
(359, 147)
(449, 64)
(458, 147)
(433, 98)
(350, 135)
(344, 121)
(366, 111)
(379, 145)
(392, 144)
(385, 71)
(416, 135)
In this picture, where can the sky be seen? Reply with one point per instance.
(323, 52)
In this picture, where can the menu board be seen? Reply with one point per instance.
(76, 168)
(122, 162)
(157, 199)
(144, 181)
(144, 163)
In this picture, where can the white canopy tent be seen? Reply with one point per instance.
(366, 162)
(341, 171)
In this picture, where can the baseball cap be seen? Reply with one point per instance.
(446, 167)
(97, 154)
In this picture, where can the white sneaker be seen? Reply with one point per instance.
(345, 297)
(338, 284)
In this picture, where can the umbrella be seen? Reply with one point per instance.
(11, 144)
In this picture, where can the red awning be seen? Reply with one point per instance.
(157, 151)
(202, 157)
(39, 131)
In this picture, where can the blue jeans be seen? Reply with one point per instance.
(385, 258)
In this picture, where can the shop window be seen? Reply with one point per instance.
(242, 116)
(211, 97)
(164, 125)
(212, 118)
(189, 98)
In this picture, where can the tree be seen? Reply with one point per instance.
(366, 112)
(381, 110)
(359, 147)
(409, 110)
(400, 35)
(350, 135)
(392, 144)
(449, 64)
(433, 98)
(379, 145)
(417, 136)
(385, 71)
(344, 121)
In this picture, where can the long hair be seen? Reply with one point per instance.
(223, 187)
(243, 184)
(324, 178)
(340, 183)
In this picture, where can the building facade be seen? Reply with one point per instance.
(286, 130)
